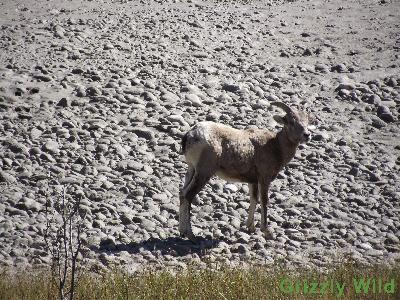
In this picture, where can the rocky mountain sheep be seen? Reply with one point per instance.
(254, 156)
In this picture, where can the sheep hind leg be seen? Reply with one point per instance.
(184, 206)
(202, 175)
(198, 182)
(253, 188)
(188, 177)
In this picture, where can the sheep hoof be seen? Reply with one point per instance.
(192, 238)
(269, 234)
(251, 228)
(189, 235)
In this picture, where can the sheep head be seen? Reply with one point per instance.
(295, 123)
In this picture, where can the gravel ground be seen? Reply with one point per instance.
(97, 94)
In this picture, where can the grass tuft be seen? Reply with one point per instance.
(221, 283)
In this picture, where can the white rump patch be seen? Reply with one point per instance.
(203, 130)
(199, 137)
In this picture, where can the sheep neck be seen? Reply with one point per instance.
(288, 148)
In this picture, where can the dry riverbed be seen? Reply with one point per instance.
(97, 94)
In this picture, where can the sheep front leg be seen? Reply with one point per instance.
(253, 189)
(185, 228)
(264, 187)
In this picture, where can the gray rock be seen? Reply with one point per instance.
(374, 177)
(112, 84)
(108, 243)
(177, 118)
(292, 211)
(64, 102)
(6, 226)
(41, 77)
(239, 248)
(392, 239)
(29, 204)
(108, 46)
(148, 225)
(230, 187)
(17, 147)
(126, 218)
(194, 99)
(107, 185)
(346, 86)
(231, 87)
(47, 157)
(170, 97)
(355, 171)
(385, 114)
(162, 197)
(80, 91)
(70, 180)
(235, 222)
(323, 136)
(374, 253)
(365, 246)
(51, 147)
(143, 132)
(7, 177)
(35, 134)
(243, 237)
(328, 188)
(92, 91)
(148, 96)
(373, 99)
(340, 68)
(322, 68)
(135, 165)
(77, 71)
(377, 122)
(15, 212)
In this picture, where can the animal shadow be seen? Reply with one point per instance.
(175, 246)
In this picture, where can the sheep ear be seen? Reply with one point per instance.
(279, 119)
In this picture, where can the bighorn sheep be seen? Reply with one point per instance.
(254, 156)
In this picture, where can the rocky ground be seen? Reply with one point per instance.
(97, 94)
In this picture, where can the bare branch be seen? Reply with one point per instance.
(62, 236)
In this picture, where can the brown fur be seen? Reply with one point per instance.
(245, 155)
(254, 156)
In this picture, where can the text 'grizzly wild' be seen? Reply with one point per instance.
(254, 156)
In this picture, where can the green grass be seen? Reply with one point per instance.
(222, 283)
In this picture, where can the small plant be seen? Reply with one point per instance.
(63, 237)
